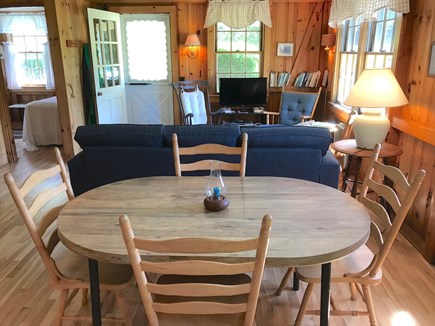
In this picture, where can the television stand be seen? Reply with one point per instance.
(241, 115)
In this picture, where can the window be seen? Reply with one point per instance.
(238, 51)
(30, 56)
(350, 37)
(146, 40)
(381, 34)
(365, 45)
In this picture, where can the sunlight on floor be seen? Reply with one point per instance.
(402, 318)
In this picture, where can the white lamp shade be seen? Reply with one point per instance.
(192, 40)
(374, 89)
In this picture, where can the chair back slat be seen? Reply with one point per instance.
(379, 211)
(201, 268)
(36, 178)
(394, 174)
(389, 193)
(196, 269)
(44, 197)
(208, 149)
(200, 290)
(196, 245)
(200, 308)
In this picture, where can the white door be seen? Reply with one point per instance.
(148, 72)
(105, 37)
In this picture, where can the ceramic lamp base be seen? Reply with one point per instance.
(370, 128)
(216, 205)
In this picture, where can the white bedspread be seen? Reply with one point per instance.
(41, 124)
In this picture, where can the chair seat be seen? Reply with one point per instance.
(76, 267)
(353, 263)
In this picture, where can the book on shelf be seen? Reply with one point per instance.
(307, 79)
(279, 79)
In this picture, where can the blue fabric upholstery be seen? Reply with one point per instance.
(118, 152)
(295, 105)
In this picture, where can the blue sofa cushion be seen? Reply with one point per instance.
(289, 137)
(120, 135)
(189, 136)
(303, 163)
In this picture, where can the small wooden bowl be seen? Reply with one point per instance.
(216, 205)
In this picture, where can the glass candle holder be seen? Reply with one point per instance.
(215, 187)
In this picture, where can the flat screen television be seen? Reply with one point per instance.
(250, 92)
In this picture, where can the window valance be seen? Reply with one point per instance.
(344, 9)
(238, 13)
(22, 22)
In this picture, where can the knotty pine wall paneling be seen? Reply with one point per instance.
(191, 18)
(414, 124)
(66, 20)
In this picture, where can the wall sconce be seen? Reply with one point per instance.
(328, 41)
(192, 41)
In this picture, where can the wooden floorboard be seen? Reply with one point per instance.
(407, 289)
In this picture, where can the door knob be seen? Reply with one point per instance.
(99, 93)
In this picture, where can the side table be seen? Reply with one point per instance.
(348, 146)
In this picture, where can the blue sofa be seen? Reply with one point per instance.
(118, 152)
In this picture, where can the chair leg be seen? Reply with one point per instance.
(62, 305)
(304, 304)
(353, 291)
(84, 296)
(284, 281)
(369, 302)
(120, 299)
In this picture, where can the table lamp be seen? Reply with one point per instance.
(374, 90)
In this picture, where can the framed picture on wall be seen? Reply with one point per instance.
(431, 71)
(285, 50)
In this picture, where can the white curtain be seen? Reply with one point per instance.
(22, 22)
(48, 68)
(11, 65)
(238, 13)
(344, 9)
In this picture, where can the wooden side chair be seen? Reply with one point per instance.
(209, 149)
(39, 201)
(197, 290)
(362, 268)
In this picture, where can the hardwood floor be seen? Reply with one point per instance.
(407, 290)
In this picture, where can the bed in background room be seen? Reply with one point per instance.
(41, 124)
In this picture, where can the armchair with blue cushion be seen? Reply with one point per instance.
(296, 107)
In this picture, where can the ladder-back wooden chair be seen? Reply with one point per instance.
(208, 149)
(195, 290)
(39, 201)
(362, 268)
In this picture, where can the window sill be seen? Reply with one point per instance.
(341, 112)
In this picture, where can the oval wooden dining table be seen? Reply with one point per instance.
(311, 223)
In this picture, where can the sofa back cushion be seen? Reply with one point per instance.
(189, 136)
(119, 135)
(289, 137)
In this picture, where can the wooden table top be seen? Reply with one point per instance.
(311, 223)
(348, 146)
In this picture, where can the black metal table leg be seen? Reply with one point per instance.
(325, 294)
(295, 282)
(95, 292)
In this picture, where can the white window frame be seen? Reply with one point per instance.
(212, 54)
(360, 54)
